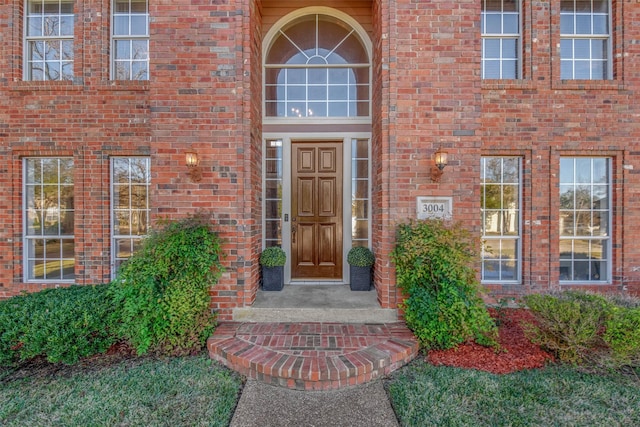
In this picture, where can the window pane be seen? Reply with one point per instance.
(511, 24)
(601, 24)
(583, 24)
(493, 23)
(121, 25)
(138, 25)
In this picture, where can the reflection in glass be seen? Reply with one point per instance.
(49, 211)
(130, 207)
(584, 219)
(500, 209)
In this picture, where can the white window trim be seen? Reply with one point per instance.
(26, 72)
(608, 37)
(518, 238)
(609, 249)
(507, 36)
(115, 38)
(273, 33)
(346, 139)
(25, 235)
(113, 235)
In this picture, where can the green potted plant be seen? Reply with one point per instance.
(272, 260)
(360, 259)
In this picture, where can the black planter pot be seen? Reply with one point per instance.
(360, 278)
(272, 278)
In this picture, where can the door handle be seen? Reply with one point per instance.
(293, 233)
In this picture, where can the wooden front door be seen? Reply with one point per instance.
(316, 210)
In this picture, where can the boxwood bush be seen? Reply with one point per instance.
(63, 324)
(434, 268)
(162, 291)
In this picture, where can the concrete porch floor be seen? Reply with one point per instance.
(316, 303)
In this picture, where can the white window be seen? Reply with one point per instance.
(585, 40)
(585, 219)
(49, 220)
(273, 193)
(130, 179)
(360, 165)
(49, 40)
(501, 40)
(130, 40)
(501, 218)
(317, 66)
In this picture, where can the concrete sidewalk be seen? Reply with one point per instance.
(263, 405)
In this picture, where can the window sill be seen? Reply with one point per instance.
(588, 85)
(29, 85)
(125, 85)
(504, 84)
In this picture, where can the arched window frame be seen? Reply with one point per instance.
(272, 36)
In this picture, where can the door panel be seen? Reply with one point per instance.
(316, 202)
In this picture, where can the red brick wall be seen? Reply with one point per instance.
(426, 60)
(205, 93)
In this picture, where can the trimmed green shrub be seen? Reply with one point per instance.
(162, 291)
(622, 335)
(63, 324)
(434, 268)
(360, 256)
(568, 323)
(588, 329)
(273, 256)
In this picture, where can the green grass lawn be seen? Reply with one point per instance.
(424, 395)
(187, 391)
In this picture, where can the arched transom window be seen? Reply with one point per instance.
(317, 66)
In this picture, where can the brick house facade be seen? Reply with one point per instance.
(523, 142)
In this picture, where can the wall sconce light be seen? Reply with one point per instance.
(440, 159)
(192, 162)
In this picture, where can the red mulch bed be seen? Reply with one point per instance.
(516, 352)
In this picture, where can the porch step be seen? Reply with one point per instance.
(316, 303)
(313, 356)
(339, 315)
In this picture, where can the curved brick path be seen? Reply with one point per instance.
(313, 356)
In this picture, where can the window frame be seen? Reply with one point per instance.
(28, 238)
(608, 250)
(608, 37)
(131, 38)
(518, 37)
(502, 237)
(114, 237)
(27, 74)
(274, 33)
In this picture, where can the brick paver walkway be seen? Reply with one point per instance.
(313, 356)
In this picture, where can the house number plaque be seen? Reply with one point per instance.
(434, 207)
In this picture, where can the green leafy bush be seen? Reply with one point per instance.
(162, 291)
(273, 256)
(568, 323)
(434, 268)
(360, 256)
(589, 329)
(622, 335)
(63, 324)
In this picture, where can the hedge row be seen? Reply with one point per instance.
(159, 303)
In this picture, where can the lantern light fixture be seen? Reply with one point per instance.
(192, 161)
(440, 159)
